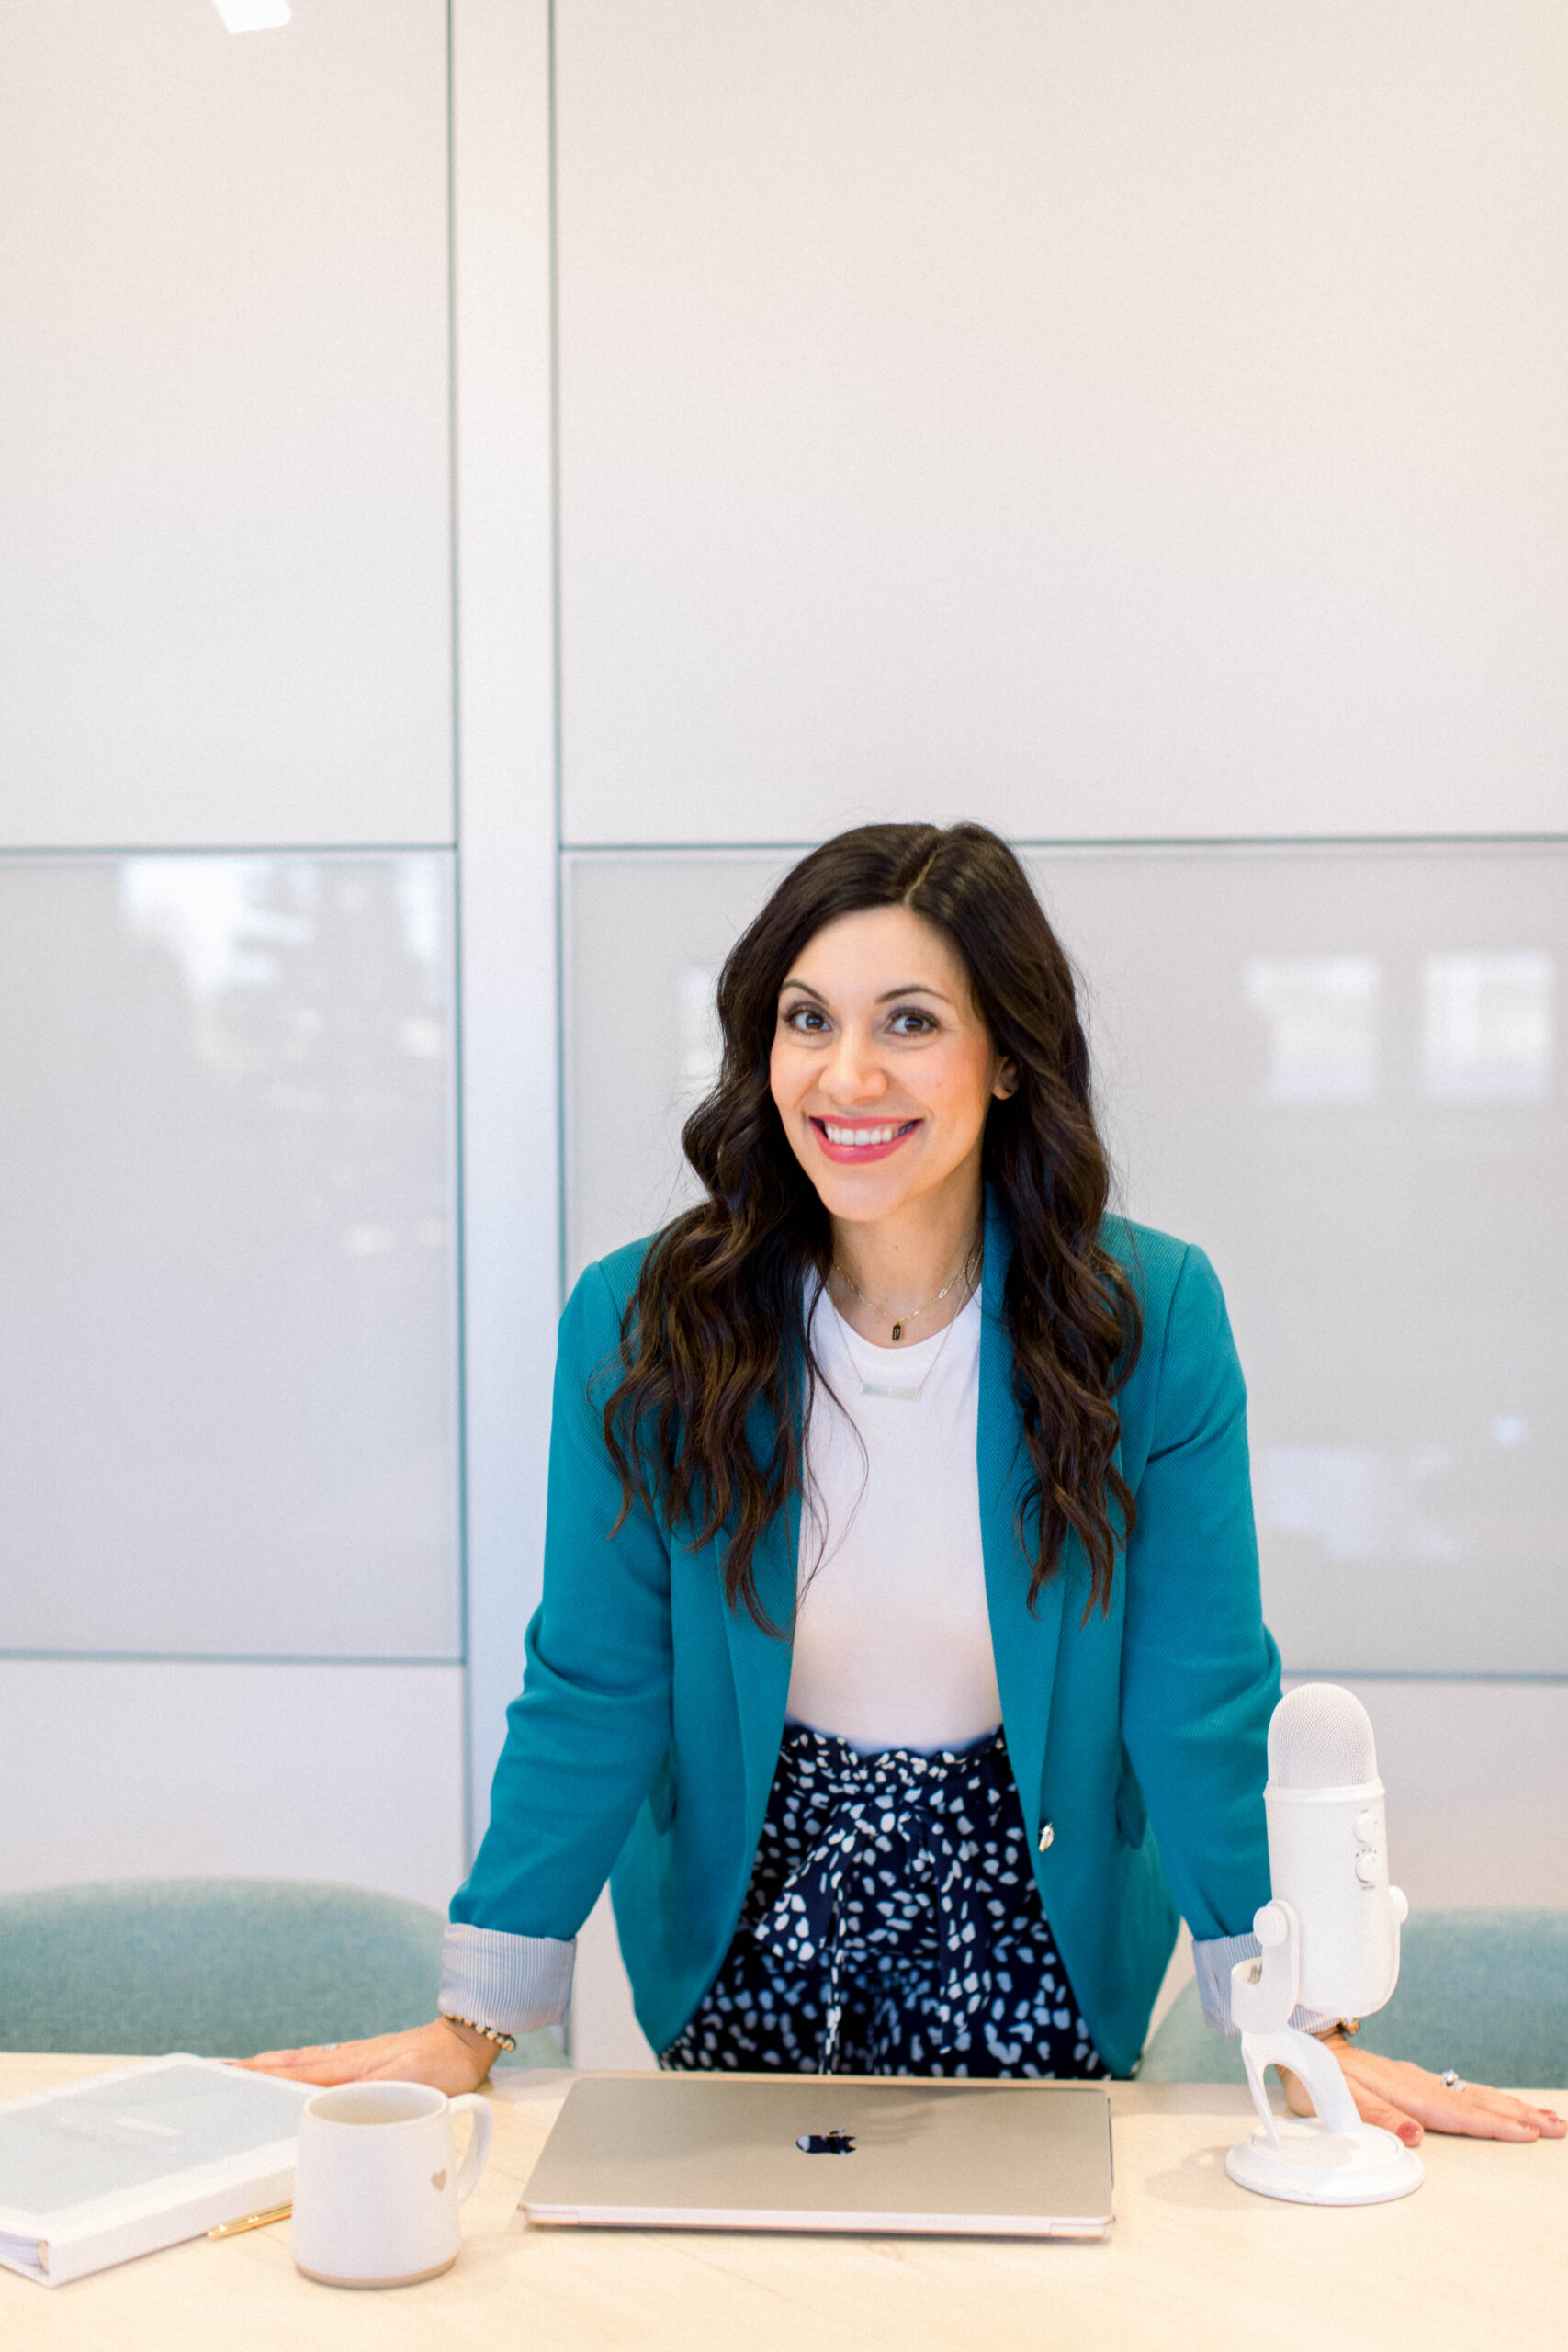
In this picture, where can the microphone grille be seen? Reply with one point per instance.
(1321, 1737)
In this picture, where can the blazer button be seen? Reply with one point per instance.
(1047, 1836)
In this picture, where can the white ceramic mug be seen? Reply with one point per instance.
(377, 2184)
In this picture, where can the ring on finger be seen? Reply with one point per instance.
(1452, 2082)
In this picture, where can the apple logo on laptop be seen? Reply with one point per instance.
(827, 2143)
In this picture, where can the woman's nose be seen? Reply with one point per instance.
(856, 1075)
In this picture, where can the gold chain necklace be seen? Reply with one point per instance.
(970, 1255)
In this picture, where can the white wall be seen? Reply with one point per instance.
(185, 1767)
(1106, 420)
(226, 602)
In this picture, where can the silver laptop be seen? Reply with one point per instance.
(829, 2152)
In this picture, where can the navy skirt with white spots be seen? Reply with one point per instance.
(892, 1927)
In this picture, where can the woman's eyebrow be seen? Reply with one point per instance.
(888, 996)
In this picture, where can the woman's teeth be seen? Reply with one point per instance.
(850, 1136)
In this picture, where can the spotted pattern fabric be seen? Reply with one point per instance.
(892, 1927)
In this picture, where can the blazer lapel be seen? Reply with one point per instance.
(761, 1662)
(1024, 1642)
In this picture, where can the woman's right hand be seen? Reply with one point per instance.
(450, 2057)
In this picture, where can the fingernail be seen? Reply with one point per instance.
(1410, 2133)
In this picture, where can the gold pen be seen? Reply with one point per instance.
(252, 2221)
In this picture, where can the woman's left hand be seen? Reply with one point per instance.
(1409, 2102)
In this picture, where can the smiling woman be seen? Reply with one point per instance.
(900, 1572)
(901, 984)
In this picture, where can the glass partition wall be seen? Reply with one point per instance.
(1338, 1071)
(227, 1396)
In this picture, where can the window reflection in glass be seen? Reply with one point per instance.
(701, 1044)
(1361, 1502)
(1323, 1015)
(1487, 1031)
(227, 1260)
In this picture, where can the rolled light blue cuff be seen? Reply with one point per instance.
(1214, 1960)
(514, 1983)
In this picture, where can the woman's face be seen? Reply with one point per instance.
(882, 1069)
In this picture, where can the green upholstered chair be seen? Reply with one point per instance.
(219, 1966)
(1485, 1992)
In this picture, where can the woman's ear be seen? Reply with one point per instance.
(1006, 1080)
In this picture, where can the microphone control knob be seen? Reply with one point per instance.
(1366, 1826)
(1366, 1869)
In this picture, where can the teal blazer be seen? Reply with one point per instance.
(644, 1742)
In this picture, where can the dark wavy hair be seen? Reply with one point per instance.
(714, 1343)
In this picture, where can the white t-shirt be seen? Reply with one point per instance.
(892, 1640)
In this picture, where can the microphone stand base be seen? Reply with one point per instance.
(1313, 2165)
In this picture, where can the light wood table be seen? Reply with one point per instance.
(1478, 2258)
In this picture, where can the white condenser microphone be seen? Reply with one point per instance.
(1330, 1942)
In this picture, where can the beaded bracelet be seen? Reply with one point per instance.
(490, 2032)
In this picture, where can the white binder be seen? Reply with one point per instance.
(123, 2163)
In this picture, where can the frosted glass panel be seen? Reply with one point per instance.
(644, 939)
(1341, 1073)
(225, 615)
(227, 1257)
(1112, 421)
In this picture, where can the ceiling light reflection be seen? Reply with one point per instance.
(254, 16)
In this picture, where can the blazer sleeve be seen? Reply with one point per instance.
(1200, 1671)
(586, 1736)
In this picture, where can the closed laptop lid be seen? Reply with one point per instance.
(835, 2152)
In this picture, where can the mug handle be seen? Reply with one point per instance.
(480, 2137)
